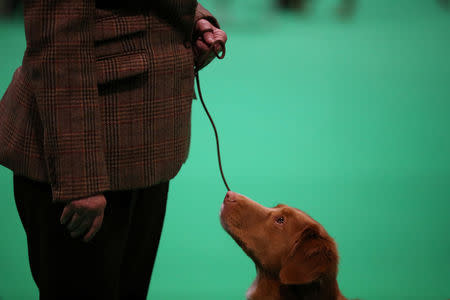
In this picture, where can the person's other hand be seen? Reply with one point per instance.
(207, 34)
(84, 216)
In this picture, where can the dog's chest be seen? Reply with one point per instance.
(251, 292)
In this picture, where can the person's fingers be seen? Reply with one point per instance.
(210, 42)
(202, 46)
(203, 25)
(67, 213)
(81, 229)
(216, 39)
(95, 227)
(208, 37)
(218, 47)
(206, 30)
(74, 222)
(220, 35)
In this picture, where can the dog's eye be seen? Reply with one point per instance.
(280, 220)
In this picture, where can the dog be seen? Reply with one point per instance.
(295, 257)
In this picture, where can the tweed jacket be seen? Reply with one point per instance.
(102, 100)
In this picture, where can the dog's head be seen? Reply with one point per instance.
(282, 241)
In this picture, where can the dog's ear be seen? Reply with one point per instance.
(311, 256)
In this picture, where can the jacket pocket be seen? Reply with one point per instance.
(112, 24)
(121, 66)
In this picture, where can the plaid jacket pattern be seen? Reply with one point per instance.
(102, 100)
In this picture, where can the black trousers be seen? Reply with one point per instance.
(116, 264)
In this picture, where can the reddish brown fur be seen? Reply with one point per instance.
(295, 258)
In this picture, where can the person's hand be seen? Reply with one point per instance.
(207, 35)
(84, 216)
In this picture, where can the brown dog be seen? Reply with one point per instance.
(295, 257)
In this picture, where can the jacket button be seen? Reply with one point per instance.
(187, 44)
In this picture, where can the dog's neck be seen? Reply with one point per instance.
(268, 287)
(265, 287)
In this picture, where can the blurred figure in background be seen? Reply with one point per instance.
(345, 9)
(298, 5)
(8, 7)
(445, 4)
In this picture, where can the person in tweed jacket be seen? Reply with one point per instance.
(94, 124)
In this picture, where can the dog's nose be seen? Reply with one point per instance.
(230, 196)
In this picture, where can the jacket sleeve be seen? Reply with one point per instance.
(61, 33)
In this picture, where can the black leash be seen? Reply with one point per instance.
(219, 56)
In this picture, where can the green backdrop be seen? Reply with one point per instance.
(347, 120)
